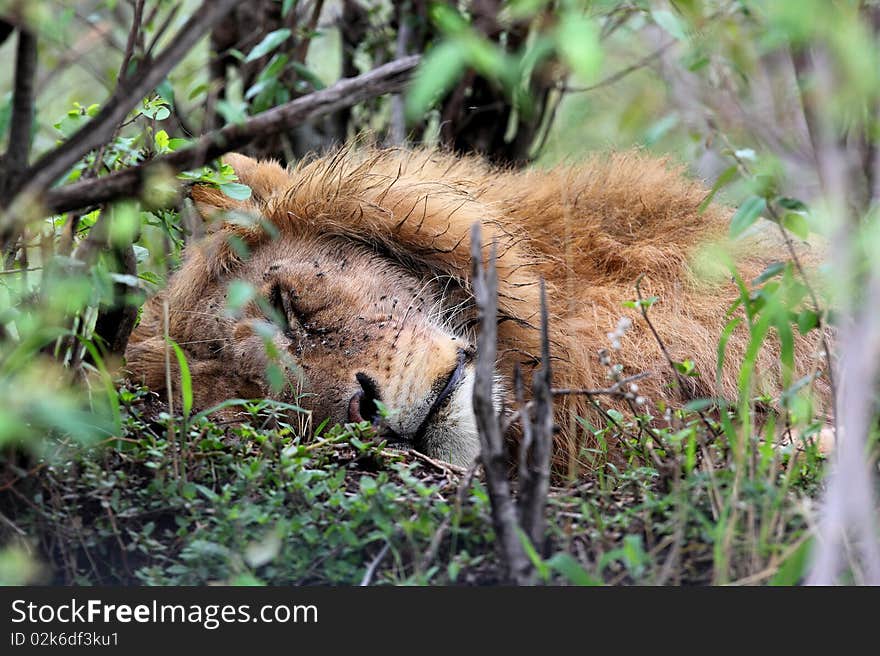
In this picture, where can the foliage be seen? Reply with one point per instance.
(102, 486)
(261, 504)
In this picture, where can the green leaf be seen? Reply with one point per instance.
(238, 294)
(771, 270)
(670, 22)
(725, 178)
(687, 367)
(699, 405)
(792, 204)
(274, 68)
(271, 41)
(541, 567)
(571, 569)
(286, 6)
(660, 128)
(308, 75)
(438, 71)
(796, 224)
(197, 90)
(275, 377)
(178, 143)
(161, 140)
(807, 320)
(578, 41)
(447, 19)
(792, 571)
(185, 378)
(749, 212)
(236, 190)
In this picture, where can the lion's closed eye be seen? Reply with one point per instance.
(288, 310)
(280, 310)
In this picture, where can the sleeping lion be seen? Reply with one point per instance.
(359, 263)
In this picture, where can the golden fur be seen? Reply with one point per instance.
(403, 219)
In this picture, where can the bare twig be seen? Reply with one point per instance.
(22, 119)
(533, 489)
(302, 48)
(371, 569)
(132, 38)
(14, 162)
(523, 415)
(622, 73)
(397, 129)
(129, 182)
(492, 453)
(160, 32)
(617, 389)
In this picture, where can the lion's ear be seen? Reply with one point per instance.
(265, 179)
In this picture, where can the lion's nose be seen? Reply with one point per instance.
(362, 405)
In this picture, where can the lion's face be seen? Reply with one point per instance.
(363, 334)
(363, 338)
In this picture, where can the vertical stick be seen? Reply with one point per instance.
(492, 452)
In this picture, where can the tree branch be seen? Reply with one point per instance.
(533, 488)
(492, 452)
(6, 29)
(129, 182)
(21, 123)
(133, 33)
(51, 166)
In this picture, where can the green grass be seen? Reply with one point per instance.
(259, 504)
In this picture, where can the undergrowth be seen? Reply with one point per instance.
(258, 503)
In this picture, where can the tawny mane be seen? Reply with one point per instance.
(591, 230)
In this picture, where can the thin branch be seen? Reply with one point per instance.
(54, 164)
(302, 48)
(22, 119)
(397, 129)
(132, 38)
(679, 378)
(371, 569)
(614, 390)
(160, 32)
(129, 182)
(533, 489)
(821, 316)
(523, 414)
(492, 452)
(821, 324)
(6, 29)
(619, 75)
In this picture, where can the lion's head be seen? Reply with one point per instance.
(360, 266)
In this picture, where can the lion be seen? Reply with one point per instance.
(360, 267)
